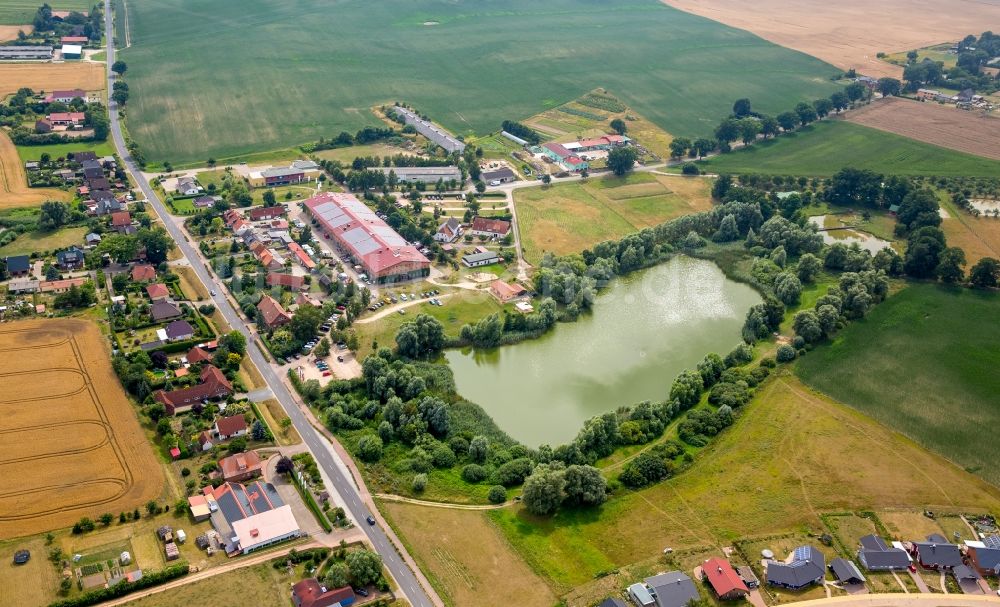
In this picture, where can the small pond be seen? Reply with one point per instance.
(644, 330)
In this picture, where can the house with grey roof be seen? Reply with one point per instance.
(806, 567)
(876, 555)
(964, 573)
(449, 231)
(423, 174)
(475, 260)
(937, 553)
(984, 555)
(612, 602)
(672, 589)
(429, 130)
(641, 595)
(164, 310)
(846, 571)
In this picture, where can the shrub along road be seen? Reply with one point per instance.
(392, 556)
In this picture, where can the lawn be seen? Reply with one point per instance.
(790, 456)
(44, 241)
(59, 150)
(461, 308)
(21, 12)
(466, 558)
(197, 86)
(569, 217)
(254, 585)
(824, 148)
(897, 366)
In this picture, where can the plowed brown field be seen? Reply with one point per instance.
(49, 76)
(9, 32)
(14, 190)
(946, 126)
(70, 443)
(849, 33)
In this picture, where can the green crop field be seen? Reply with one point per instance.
(924, 362)
(824, 148)
(225, 78)
(22, 12)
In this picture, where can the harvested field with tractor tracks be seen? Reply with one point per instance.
(14, 190)
(70, 443)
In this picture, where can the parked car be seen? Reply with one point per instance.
(327, 373)
(371, 521)
(340, 359)
(360, 592)
(401, 311)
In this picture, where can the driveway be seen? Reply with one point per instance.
(290, 495)
(919, 581)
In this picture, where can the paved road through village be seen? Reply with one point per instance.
(321, 449)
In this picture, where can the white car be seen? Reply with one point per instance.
(495, 182)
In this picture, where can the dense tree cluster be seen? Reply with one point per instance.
(519, 130)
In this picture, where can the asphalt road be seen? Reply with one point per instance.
(320, 448)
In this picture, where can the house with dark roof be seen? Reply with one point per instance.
(18, 265)
(164, 310)
(503, 175)
(247, 516)
(724, 580)
(937, 553)
(449, 231)
(964, 573)
(876, 555)
(310, 593)
(70, 259)
(748, 576)
(612, 602)
(846, 571)
(984, 555)
(213, 385)
(671, 589)
(475, 260)
(229, 427)
(241, 466)
(806, 567)
(272, 314)
(179, 330)
(204, 202)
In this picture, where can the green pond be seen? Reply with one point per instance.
(644, 330)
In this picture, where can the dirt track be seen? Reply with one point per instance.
(14, 190)
(849, 33)
(49, 76)
(946, 126)
(70, 444)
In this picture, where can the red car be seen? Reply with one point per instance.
(327, 373)
(913, 568)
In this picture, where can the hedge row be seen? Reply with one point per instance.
(124, 587)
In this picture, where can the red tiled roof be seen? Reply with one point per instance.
(309, 593)
(299, 252)
(214, 385)
(56, 285)
(67, 116)
(495, 226)
(258, 213)
(558, 150)
(142, 272)
(157, 290)
(121, 219)
(197, 355)
(231, 425)
(274, 315)
(73, 39)
(241, 464)
(723, 577)
(285, 280)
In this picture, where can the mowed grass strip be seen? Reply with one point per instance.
(221, 79)
(570, 217)
(824, 148)
(44, 241)
(791, 455)
(466, 557)
(924, 362)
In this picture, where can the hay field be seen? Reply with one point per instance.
(9, 32)
(49, 76)
(70, 444)
(466, 557)
(896, 366)
(569, 217)
(792, 455)
(189, 65)
(850, 33)
(946, 126)
(978, 236)
(14, 190)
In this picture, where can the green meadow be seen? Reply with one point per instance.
(824, 148)
(924, 363)
(225, 78)
(22, 12)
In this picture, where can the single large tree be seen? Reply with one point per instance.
(985, 274)
(622, 159)
(119, 67)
